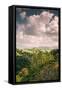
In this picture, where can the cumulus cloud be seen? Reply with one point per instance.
(23, 14)
(39, 31)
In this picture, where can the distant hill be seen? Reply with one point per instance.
(19, 52)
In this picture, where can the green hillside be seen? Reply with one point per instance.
(37, 64)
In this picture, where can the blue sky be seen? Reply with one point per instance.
(30, 12)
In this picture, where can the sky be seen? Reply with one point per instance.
(37, 28)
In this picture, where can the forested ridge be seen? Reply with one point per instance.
(37, 64)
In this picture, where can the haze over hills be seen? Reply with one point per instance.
(40, 48)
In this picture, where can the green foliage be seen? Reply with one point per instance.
(37, 65)
(21, 62)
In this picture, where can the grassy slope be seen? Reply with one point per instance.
(36, 65)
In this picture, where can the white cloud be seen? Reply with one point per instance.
(23, 14)
(38, 32)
